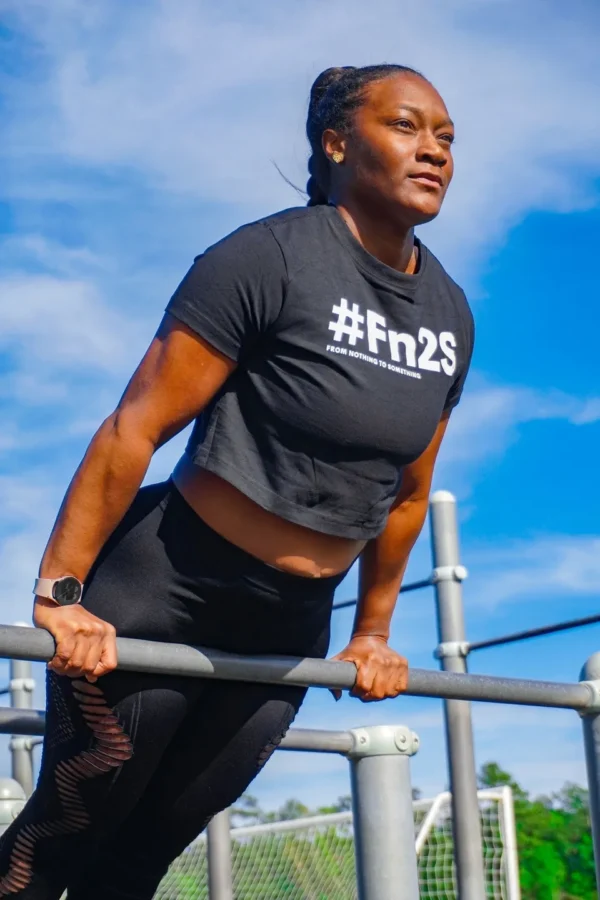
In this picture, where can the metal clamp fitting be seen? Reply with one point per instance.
(594, 706)
(22, 684)
(452, 650)
(22, 743)
(449, 573)
(383, 740)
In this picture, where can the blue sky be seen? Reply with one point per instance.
(136, 134)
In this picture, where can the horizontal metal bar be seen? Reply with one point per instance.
(533, 633)
(345, 604)
(328, 820)
(313, 741)
(21, 721)
(405, 589)
(450, 686)
(32, 722)
(180, 659)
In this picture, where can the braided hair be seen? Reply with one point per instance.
(334, 97)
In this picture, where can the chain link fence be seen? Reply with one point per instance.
(313, 858)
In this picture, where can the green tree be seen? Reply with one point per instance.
(342, 804)
(246, 811)
(291, 809)
(553, 839)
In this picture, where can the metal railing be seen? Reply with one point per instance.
(529, 633)
(453, 684)
(453, 651)
(158, 657)
(379, 756)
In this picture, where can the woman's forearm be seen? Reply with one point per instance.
(98, 497)
(382, 566)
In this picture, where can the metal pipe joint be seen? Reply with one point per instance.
(452, 650)
(22, 684)
(22, 743)
(449, 573)
(590, 677)
(594, 705)
(383, 740)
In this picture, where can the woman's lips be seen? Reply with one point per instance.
(428, 179)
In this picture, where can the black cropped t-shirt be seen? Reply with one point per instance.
(344, 367)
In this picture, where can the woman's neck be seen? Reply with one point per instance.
(389, 242)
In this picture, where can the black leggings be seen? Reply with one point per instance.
(135, 765)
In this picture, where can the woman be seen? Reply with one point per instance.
(320, 351)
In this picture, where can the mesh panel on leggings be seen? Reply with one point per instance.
(63, 729)
(109, 749)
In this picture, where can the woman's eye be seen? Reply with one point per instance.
(448, 138)
(404, 123)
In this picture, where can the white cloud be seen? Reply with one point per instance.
(193, 100)
(487, 422)
(30, 502)
(61, 322)
(34, 250)
(209, 96)
(553, 565)
(67, 354)
(589, 412)
(27, 498)
(20, 556)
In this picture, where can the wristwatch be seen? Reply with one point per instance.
(64, 591)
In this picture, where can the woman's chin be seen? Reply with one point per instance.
(418, 208)
(422, 214)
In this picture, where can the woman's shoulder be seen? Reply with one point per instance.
(288, 237)
(292, 228)
(295, 218)
(291, 217)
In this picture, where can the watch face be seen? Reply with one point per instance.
(67, 591)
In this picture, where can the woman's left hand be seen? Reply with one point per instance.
(381, 672)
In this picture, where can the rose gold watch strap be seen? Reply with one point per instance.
(43, 588)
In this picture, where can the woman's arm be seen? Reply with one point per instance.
(381, 671)
(177, 377)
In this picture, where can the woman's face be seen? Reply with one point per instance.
(398, 155)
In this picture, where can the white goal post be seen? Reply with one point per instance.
(314, 857)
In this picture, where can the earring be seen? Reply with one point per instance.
(337, 157)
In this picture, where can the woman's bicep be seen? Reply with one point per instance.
(178, 376)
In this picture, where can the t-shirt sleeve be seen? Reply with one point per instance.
(234, 291)
(455, 392)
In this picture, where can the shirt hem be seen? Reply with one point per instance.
(287, 509)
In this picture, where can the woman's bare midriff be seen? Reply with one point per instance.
(285, 545)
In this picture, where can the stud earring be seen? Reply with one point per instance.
(337, 157)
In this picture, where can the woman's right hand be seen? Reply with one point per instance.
(85, 644)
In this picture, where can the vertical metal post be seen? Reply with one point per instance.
(591, 737)
(21, 697)
(466, 821)
(384, 829)
(511, 855)
(220, 881)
